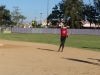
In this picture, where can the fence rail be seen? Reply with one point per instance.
(56, 31)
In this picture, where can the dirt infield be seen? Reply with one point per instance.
(25, 58)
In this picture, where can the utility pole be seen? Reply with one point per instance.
(40, 18)
(47, 10)
(35, 22)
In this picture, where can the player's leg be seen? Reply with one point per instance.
(63, 43)
(61, 39)
(59, 48)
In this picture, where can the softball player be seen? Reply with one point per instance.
(64, 35)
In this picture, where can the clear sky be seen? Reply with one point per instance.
(32, 8)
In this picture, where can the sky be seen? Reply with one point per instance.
(33, 9)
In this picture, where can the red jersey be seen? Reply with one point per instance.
(64, 32)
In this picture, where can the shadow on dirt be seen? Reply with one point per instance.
(83, 61)
(94, 59)
(46, 49)
(98, 48)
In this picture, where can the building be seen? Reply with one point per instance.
(86, 25)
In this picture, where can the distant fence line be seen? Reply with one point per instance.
(56, 31)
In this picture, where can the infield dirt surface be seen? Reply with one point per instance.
(27, 58)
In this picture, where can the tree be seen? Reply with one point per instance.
(5, 17)
(57, 14)
(34, 24)
(97, 7)
(90, 14)
(97, 4)
(69, 10)
(54, 15)
(73, 11)
(17, 17)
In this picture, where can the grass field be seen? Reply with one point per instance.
(78, 41)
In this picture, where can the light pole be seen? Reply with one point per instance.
(40, 18)
(47, 7)
(47, 10)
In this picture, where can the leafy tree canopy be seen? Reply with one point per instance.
(5, 16)
(73, 11)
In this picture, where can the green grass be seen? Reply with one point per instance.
(78, 41)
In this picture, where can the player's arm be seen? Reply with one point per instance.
(67, 33)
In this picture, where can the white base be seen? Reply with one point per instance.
(1, 44)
